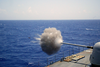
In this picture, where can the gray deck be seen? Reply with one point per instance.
(84, 62)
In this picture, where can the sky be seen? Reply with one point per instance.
(49, 9)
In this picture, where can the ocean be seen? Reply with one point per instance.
(19, 48)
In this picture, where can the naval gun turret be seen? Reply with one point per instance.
(95, 56)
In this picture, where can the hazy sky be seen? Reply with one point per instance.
(49, 9)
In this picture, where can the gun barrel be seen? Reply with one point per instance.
(78, 45)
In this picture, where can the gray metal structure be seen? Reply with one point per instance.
(95, 56)
(78, 45)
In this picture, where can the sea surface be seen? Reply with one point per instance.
(19, 48)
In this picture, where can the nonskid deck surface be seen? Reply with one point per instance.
(80, 60)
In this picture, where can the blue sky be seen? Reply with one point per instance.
(49, 9)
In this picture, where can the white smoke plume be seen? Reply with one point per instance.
(51, 40)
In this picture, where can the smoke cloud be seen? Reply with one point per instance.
(51, 40)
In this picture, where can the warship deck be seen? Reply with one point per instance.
(83, 62)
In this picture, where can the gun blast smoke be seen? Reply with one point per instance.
(51, 40)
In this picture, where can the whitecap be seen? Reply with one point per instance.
(30, 63)
(89, 29)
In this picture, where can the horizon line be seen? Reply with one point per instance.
(54, 19)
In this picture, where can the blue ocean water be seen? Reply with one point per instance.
(19, 48)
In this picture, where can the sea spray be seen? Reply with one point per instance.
(51, 40)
